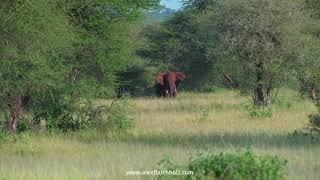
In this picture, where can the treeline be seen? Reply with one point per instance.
(54, 53)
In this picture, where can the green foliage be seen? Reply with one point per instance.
(255, 38)
(159, 15)
(204, 113)
(214, 89)
(136, 80)
(249, 43)
(25, 124)
(167, 163)
(315, 120)
(24, 65)
(117, 117)
(313, 126)
(240, 165)
(259, 111)
(77, 118)
(5, 135)
(314, 7)
(178, 43)
(64, 116)
(32, 32)
(107, 41)
(53, 53)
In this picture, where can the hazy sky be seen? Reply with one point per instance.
(172, 4)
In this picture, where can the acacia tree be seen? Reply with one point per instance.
(28, 30)
(254, 34)
(106, 43)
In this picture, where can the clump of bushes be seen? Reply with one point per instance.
(114, 117)
(63, 116)
(243, 164)
(313, 127)
(259, 111)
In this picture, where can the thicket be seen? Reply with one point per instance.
(56, 56)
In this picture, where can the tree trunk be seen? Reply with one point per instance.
(230, 82)
(15, 103)
(259, 97)
(313, 93)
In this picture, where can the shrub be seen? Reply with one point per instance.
(204, 113)
(313, 126)
(5, 135)
(315, 121)
(78, 118)
(116, 117)
(84, 115)
(260, 111)
(24, 124)
(66, 117)
(239, 165)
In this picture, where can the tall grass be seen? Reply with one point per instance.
(177, 127)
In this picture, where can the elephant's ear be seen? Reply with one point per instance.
(159, 78)
(180, 76)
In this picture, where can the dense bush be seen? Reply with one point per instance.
(85, 115)
(259, 111)
(25, 124)
(116, 117)
(313, 127)
(4, 135)
(240, 165)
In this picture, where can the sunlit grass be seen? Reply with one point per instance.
(175, 127)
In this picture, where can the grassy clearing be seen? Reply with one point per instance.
(179, 127)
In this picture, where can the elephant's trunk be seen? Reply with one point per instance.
(172, 90)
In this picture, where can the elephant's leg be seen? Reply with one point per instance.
(158, 90)
(175, 92)
(166, 93)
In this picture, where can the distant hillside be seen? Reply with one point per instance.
(159, 15)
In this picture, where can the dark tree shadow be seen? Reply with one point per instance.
(222, 140)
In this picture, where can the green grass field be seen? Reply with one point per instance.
(175, 127)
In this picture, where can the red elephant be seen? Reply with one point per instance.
(166, 83)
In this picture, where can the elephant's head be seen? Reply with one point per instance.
(167, 83)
